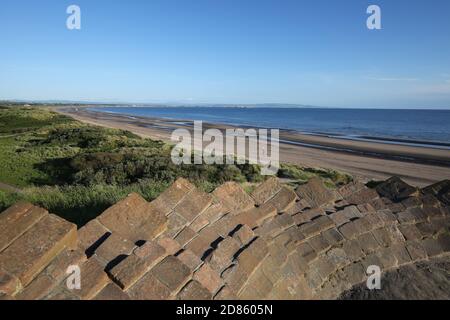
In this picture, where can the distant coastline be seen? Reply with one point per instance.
(178, 104)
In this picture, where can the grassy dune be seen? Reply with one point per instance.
(77, 170)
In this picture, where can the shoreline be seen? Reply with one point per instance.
(365, 160)
(401, 141)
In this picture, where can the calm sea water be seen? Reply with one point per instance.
(398, 125)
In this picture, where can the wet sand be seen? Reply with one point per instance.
(365, 160)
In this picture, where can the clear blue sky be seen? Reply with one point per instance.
(228, 51)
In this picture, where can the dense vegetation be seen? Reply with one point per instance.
(77, 170)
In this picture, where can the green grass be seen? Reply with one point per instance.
(18, 163)
(19, 159)
(300, 175)
(77, 170)
(80, 204)
(7, 199)
(19, 120)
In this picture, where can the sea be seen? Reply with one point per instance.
(429, 128)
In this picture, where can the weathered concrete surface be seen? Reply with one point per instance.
(277, 243)
(428, 280)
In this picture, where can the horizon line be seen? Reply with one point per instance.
(202, 104)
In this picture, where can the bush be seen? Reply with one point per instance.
(129, 166)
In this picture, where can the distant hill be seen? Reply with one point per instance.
(166, 104)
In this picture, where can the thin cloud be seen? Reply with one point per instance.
(392, 79)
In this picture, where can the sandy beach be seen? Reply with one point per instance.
(365, 160)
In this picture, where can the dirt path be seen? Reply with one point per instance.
(9, 188)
